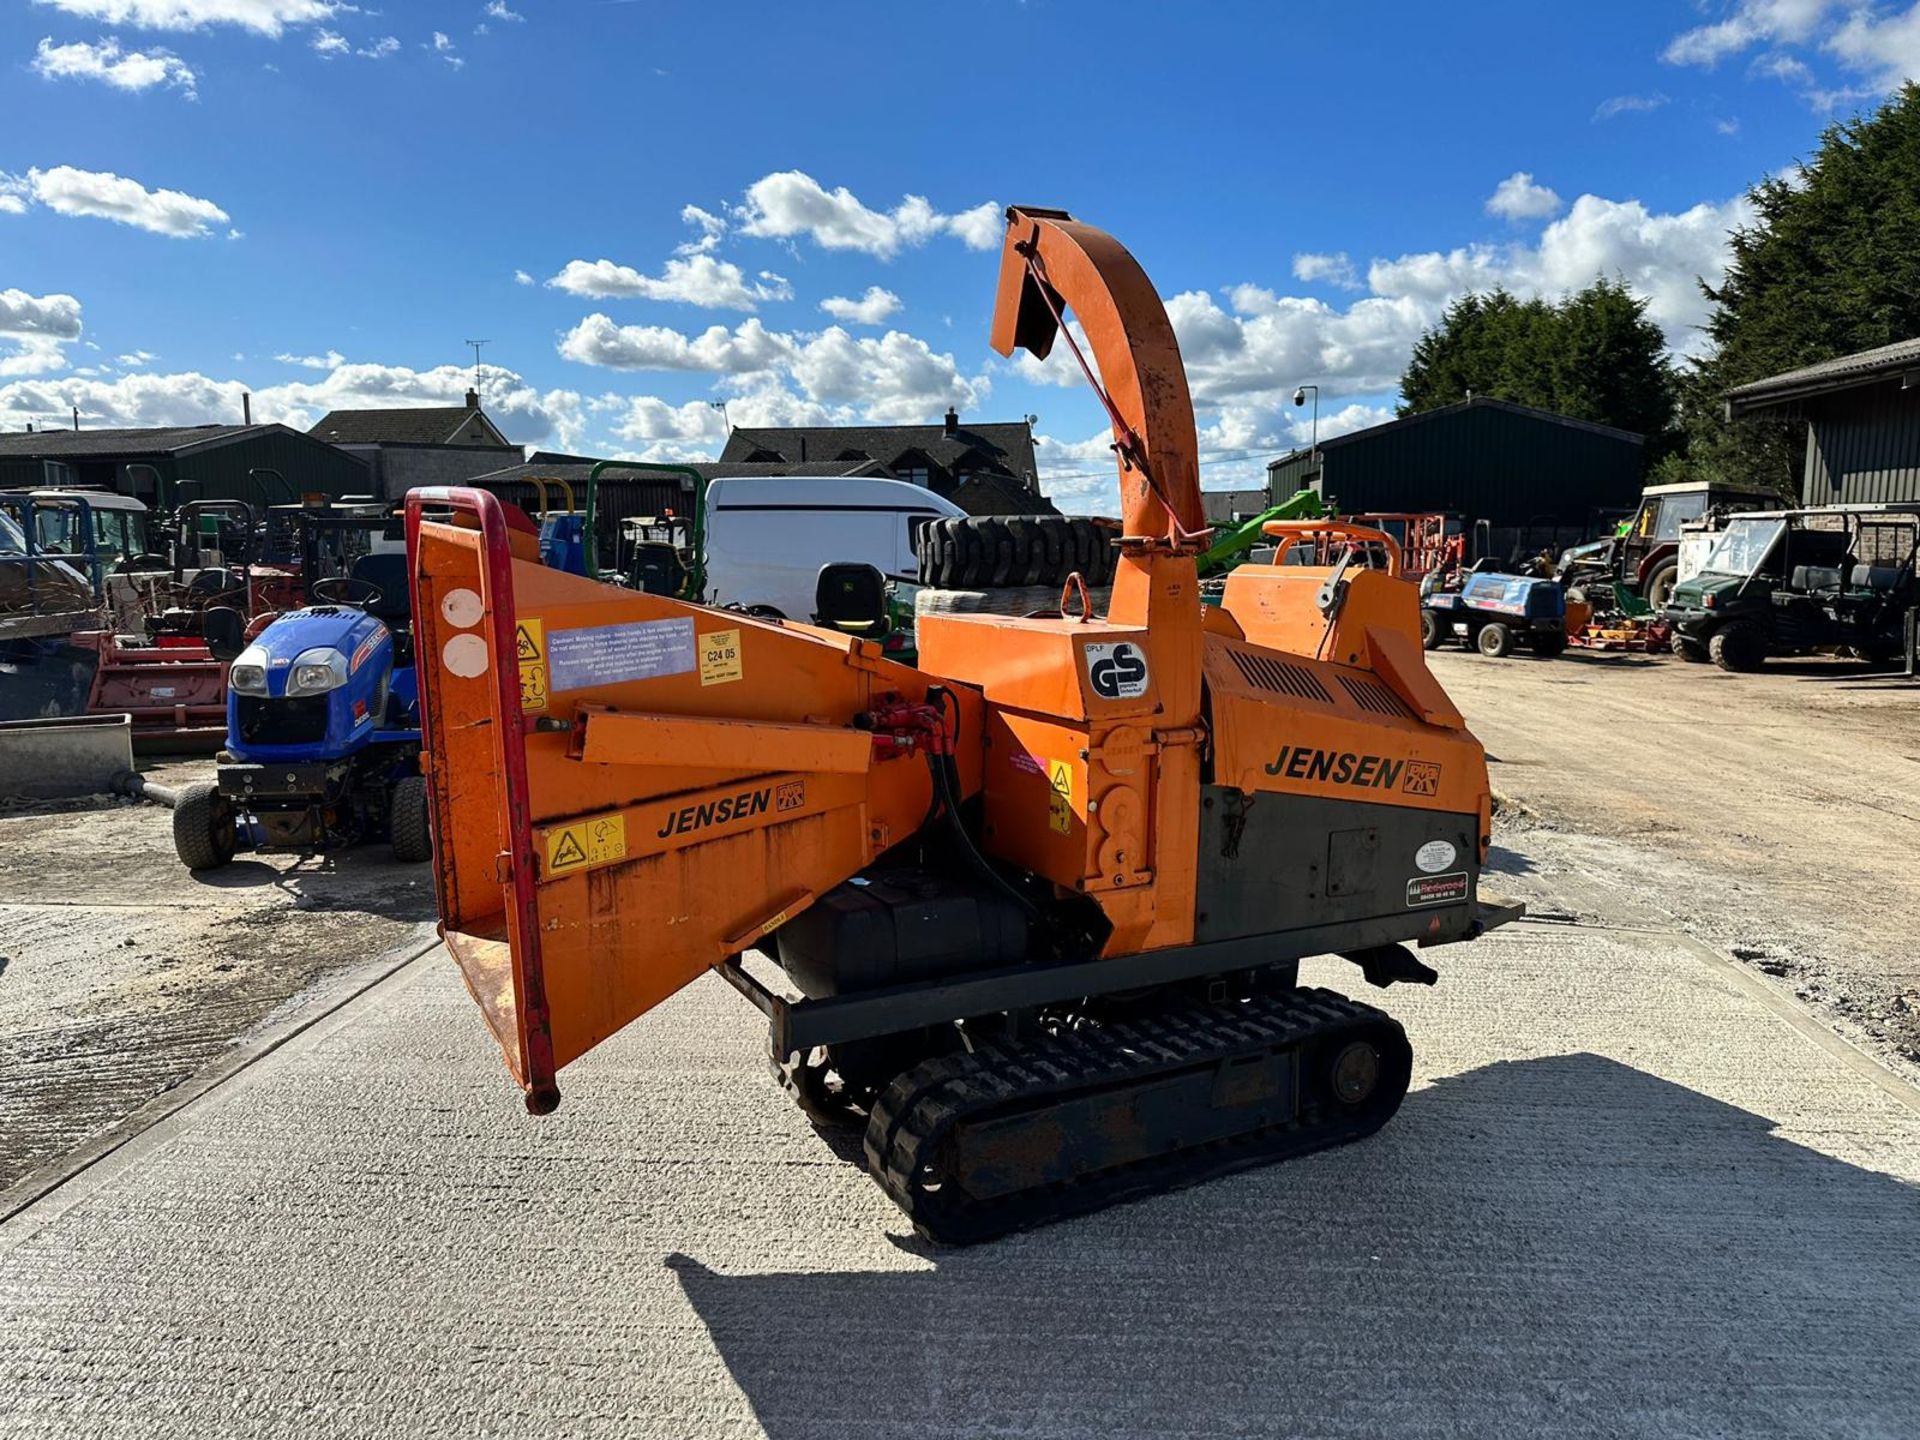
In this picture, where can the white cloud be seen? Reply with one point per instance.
(711, 226)
(872, 308)
(527, 415)
(54, 316)
(1778, 66)
(791, 203)
(1752, 22)
(1518, 198)
(497, 10)
(521, 277)
(444, 47)
(1628, 105)
(134, 359)
(893, 379)
(692, 280)
(39, 328)
(1885, 47)
(647, 417)
(106, 62)
(380, 49)
(264, 17)
(1334, 269)
(329, 45)
(104, 196)
(332, 360)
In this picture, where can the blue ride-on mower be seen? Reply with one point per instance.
(323, 728)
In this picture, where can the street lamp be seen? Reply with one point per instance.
(1300, 398)
(721, 406)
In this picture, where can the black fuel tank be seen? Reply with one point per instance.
(891, 927)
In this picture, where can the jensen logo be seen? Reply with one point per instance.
(1337, 767)
(716, 812)
(1117, 671)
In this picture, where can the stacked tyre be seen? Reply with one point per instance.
(1013, 564)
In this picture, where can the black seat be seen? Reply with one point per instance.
(1817, 579)
(851, 598)
(389, 573)
(1879, 578)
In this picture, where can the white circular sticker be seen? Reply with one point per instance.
(465, 656)
(1434, 856)
(462, 608)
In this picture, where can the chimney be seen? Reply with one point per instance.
(246, 408)
(953, 420)
(473, 399)
(76, 417)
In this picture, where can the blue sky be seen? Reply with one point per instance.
(645, 207)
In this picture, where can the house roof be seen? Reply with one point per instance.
(420, 425)
(1460, 407)
(78, 444)
(1865, 367)
(1009, 446)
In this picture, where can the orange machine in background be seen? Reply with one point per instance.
(1037, 903)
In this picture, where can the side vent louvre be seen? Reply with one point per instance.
(1264, 673)
(1371, 694)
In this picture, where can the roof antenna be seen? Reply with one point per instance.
(476, 344)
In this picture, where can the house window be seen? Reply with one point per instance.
(57, 474)
(914, 475)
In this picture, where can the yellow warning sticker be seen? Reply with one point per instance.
(1060, 801)
(530, 646)
(720, 657)
(587, 842)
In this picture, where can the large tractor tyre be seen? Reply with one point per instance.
(1691, 651)
(1430, 632)
(1495, 640)
(1015, 600)
(407, 821)
(981, 552)
(1660, 585)
(203, 833)
(1547, 647)
(1738, 646)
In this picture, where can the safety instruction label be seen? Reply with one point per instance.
(610, 654)
(587, 842)
(530, 648)
(1060, 800)
(720, 657)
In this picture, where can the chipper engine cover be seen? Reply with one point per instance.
(1042, 897)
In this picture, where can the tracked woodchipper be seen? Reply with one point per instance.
(1043, 896)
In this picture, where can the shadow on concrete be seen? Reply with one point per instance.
(1502, 861)
(1562, 1246)
(366, 880)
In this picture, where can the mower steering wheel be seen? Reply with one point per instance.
(346, 590)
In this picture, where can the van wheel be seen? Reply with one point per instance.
(1494, 640)
(1430, 633)
(203, 833)
(1738, 646)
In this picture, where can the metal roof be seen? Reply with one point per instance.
(1861, 368)
(1478, 402)
(60, 444)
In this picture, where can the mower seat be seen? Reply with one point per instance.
(852, 598)
(389, 573)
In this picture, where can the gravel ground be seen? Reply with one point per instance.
(1628, 1197)
(1775, 816)
(122, 973)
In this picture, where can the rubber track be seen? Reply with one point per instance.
(921, 1107)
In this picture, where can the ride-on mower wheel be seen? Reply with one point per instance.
(203, 832)
(1430, 633)
(1738, 646)
(1494, 640)
(1660, 585)
(407, 822)
(1691, 651)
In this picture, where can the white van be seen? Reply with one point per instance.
(767, 539)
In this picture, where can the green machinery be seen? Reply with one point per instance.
(1231, 546)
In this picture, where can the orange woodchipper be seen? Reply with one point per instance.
(1037, 902)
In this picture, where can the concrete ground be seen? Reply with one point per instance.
(1774, 815)
(123, 974)
(1634, 1193)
